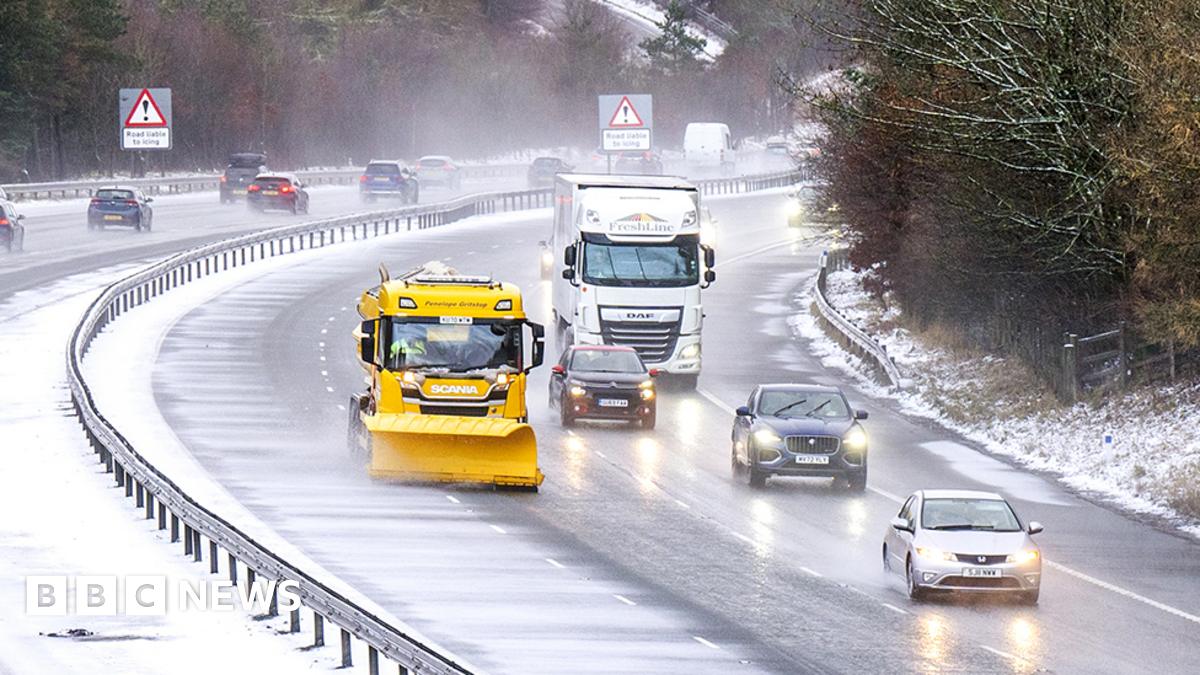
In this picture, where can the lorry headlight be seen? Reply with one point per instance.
(855, 439)
(409, 377)
(691, 351)
(502, 379)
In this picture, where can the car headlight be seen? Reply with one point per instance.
(647, 394)
(795, 208)
(577, 391)
(855, 439)
(934, 553)
(1023, 557)
(547, 258)
(690, 352)
(766, 438)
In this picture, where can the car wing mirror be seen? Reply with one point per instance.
(861, 414)
(20, 216)
(1034, 527)
(149, 199)
(901, 524)
(743, 411)
(655, 372)
(558, 370)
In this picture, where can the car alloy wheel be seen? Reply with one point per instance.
(915, 592)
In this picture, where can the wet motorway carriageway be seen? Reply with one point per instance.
(641, 554)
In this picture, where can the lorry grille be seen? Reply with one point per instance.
(654, 342)
(813, 445)
(459, 410)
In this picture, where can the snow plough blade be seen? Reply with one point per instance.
(446, 448)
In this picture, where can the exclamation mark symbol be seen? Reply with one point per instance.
(145, 110)
(625, 111)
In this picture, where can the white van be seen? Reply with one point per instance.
(708, 144)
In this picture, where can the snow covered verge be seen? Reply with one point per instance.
(63, 516)
(651, 15)
(1140, 450)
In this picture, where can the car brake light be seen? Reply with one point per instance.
(285, 189)
(131, 202)
(447, 168)
(96, 200)
(362, 179)
(4, 221)
(253, 188)
(224, 179)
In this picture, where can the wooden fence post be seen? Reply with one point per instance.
(1070, 368)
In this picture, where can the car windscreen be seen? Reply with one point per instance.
(114, 195)
(668, 264)
(992, 515)
(799, 403)
(606, 361)
(272, 180)
(384, 169)
(454, 347)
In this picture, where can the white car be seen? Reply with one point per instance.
(963, 540)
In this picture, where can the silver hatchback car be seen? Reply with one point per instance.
(963, 540)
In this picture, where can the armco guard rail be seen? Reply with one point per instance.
(856, 338)
(200, 183)
(152, 489)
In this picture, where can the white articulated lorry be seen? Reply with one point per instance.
(629, 266)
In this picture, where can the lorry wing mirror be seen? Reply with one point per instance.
(569, 256)
(538, 353)
(709, 276)
(569, 275)
(366, 341)
(710, 257)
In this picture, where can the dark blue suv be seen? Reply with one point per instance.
(388, 179)
(120, 205)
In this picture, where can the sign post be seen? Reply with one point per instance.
(626, 122)
(144, 119)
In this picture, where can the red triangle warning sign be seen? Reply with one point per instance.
(625, 116)
(145, 112)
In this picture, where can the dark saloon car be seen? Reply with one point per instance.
(646, 163)
(240, 173)
(799, 430)
(543, 170)
(384, 178)
(603, 382)
(12, 231)
(277, 191)
(120, 205)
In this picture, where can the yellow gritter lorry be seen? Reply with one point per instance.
(447, 358)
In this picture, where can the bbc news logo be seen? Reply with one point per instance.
(153, 595)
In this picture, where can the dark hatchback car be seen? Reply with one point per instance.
(120, 205)
(243, 168)
(603, 382)
(388, 179)
(799, 430)
(543, 170)
(12, 231)
(646, 163)
(277, 191)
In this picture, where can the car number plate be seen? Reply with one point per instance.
(812, 459)
(239, 192)
(613, 403)
(112, 217)
(456, 320)
(381, 179)
(981, 572)
(271, 193)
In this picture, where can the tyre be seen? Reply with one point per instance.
(650, 420)
(91, 225)
(149, 223)
(756, 478)
(138, 225)
(857, 482)
(565, 418)
(295, 207)
(8, 245)
(915, 592)
(1030, 597)
(688, 382)
(887, 560)
(735, 467)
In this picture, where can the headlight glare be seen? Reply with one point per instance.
(1023, 557)
(690, 352)
(577, 391)
(647, 394)
(934, 553)
(766, 437)
(855, 439)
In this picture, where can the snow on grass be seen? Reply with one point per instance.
(62, 515)
(1152, 466)
(651, 15)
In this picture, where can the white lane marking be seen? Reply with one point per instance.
(624, 600)
(811, 571)
(570, 433)
(329, 389)
(1125, 592)
(602, 455)
(683, 504)
(453, 499)
(895, 608)
(321, 345)
(757, 251)
(555, 563)
(715, 401)
(1001, 654)
(341, 407)
(324, 373)
(324, 331)
(1099, 583)
(498, 529)
(332, 318)
(343, 309)
(704, 642)
(744, 538)
(322, 358)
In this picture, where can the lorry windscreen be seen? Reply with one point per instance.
(428, 343)
(667, 264)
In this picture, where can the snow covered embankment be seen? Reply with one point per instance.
(1151, 465)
